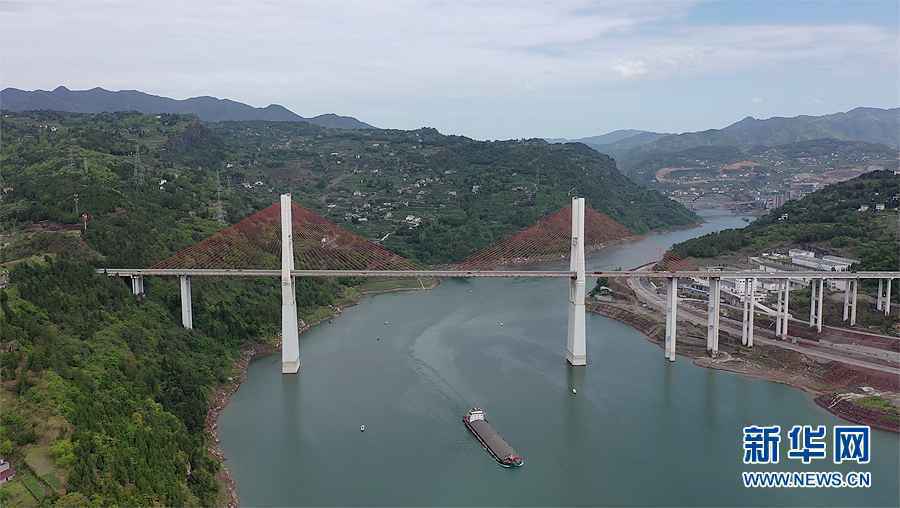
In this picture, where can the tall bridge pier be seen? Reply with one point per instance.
(749, 311)
(883, 299)
(713, 314)
(290, 335)
(576, 352)
(187, 309)
(816, 298)
(671, 316)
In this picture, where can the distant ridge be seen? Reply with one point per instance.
(615, 142)
(208, 109)
(871, 125)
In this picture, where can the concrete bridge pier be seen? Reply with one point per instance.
(187, 310)
(847, 291)
(752, 312)
(712, 322)
(290, 335)
(137, 285)
(779, 312)
(786, 313)
(812, 303)
(855, 283)
(745, 318)
(886, 303)
(821, 298)
(879, 299)
(671, 316)
(576, 350)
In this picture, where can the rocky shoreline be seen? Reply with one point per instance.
(249, 352)
(833, 386)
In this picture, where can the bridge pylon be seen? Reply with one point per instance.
(290, 335)
(576, 352)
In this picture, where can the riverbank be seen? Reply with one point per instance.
(852, 393)
(222, 394)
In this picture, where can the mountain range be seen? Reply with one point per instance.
(210, 109)
(870, 125)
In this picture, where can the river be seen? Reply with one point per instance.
(639, 431)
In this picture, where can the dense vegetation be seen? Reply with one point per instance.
(468, 193)
(828, 221)
(104, 396)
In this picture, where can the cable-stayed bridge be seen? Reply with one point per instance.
(287, 241)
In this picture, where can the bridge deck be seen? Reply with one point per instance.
(130, 272)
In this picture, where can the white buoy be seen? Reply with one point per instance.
(500, 323)
(362, 428)
(574, 390)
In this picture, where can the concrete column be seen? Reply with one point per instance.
(745, 321)
(786, 316)
(290, 335)
(187, 311)
(576, 350)
(847, 291)
(887, 298)
(853, 302)
(821, 298)
(779, 312)
(812, 303)
(671, 316)
(712, 321)
(879, 300)
(752, 312)
(137, 285)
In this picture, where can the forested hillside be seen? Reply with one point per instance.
(103, 396)
(432, 197)
(829, 220)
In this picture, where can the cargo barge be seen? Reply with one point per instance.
(490, 440)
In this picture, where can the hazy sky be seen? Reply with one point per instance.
(486, 69)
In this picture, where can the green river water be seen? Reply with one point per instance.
(640, 431)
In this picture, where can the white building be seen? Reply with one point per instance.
(804, 260)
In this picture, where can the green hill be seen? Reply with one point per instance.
(828, 221)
